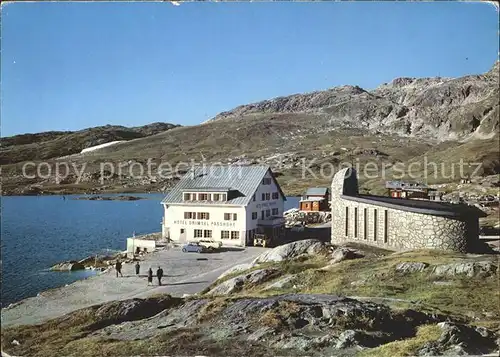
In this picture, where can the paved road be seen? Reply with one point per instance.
(185, 273)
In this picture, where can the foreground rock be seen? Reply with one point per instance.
(459, 340)
(71, 265)
(131, 310)
(299, 323)
(343, 253)
(236, 269)
(286, 325)
(291, 251)
(411, 267)
(470, 269)
(281, 282)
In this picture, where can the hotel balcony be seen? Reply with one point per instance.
(271, 221)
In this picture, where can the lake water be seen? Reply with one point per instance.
(40, 231)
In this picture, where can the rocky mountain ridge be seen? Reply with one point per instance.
(434, 108)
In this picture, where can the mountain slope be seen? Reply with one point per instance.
(434, 108)
(54, 144)
(305, 138)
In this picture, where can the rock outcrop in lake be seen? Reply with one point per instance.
(71, 265)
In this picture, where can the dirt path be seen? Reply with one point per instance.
(185, 273)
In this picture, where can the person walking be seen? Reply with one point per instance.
(159, 275)
(150, 276)
(137, 268)
(118, 267)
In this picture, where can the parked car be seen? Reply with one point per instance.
(210, 243)
(193, 247)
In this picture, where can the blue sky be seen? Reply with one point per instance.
(68, 66)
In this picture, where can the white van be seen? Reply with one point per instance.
(209, 243)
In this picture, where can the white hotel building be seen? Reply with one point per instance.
(226, 203)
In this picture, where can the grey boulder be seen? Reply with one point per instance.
(291, 251)
(411, 267)
(236, 284)
(343, 253)
(470, 269)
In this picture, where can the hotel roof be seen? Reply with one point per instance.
(316, 191)
(243, 179)
(206, 189)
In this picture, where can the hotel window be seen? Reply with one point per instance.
(268, 212)
(262, 214)
(198, 233)
(347, 221)
(355, 222)
(254, 215)
(375, 224)
(224, 234)
(266, 181)
(203, 215)
(386, 224)
(253, 197)
(275, 211)
(275, 195)
(189, 215)
(187, 197)
(268, 196)
(227, 216)
(235, 235)
(202, 197)
(263, 197)
(223, 197)
(207, 233)
(216, 197)
(365, 223)
(235, 217)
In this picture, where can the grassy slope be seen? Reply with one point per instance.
(375, 276)
(305, 136)
(378, 278)
(426, 333)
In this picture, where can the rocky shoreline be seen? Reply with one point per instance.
(110, 198)
(100, 263)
